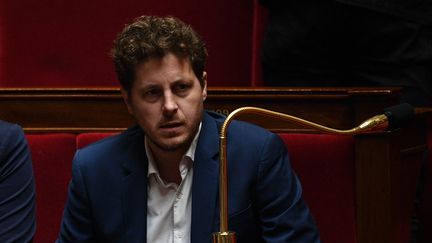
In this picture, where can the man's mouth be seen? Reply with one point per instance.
(170, 125)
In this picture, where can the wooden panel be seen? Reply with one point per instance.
(102, 109)
(65, 110)
(387, 170)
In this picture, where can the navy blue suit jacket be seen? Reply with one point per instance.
(17, 188)
(107, 199)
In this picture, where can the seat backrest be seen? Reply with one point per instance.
(52, 155)
(85, 139)
(325, 166)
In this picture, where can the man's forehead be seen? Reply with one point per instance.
(167, 62)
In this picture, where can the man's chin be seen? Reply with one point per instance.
(170, 147)
(174, 144)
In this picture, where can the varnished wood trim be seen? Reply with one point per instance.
(75, 130)
(413, 150)
(217, 92)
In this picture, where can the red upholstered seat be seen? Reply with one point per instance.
(52, 155)
(85, 139)
(325, 166)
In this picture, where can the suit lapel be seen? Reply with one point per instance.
(134, 199)
(205, 182)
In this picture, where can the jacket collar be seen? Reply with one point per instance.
(205, 181)
(134, 193)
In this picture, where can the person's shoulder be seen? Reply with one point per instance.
(105, 158)
(113, 145)
(118, 140)
(12, 142)
(250, 137)
(216, 116)
(10, 132)
(238, 127)
(7, 127)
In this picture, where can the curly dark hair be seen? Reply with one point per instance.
(153, 37)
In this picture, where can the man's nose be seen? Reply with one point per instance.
(170, 105)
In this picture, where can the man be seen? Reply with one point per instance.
(17, 188)
(158, 181)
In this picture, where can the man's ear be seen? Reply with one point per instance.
(127, 100)
(204, 92)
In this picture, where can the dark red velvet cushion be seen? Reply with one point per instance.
(85, 139)
(325, 166)
(52, 156)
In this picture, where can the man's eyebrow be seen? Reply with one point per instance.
(182, 80)
(148, 87)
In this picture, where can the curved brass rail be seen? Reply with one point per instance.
(376, 123)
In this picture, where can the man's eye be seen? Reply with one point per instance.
(182, 88)
(151, 94)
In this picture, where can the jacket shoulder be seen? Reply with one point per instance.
(12, 139)
(10, 131)
(242, 132)
(110, 148)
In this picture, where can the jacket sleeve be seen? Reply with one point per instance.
(76, 224)
(17, 188)
(283, 213)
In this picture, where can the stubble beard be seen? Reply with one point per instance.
(177, 145)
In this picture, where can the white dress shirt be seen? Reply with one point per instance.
(169, 206)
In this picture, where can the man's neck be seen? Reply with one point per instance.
(168, 163)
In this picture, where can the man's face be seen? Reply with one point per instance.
(167, 99)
